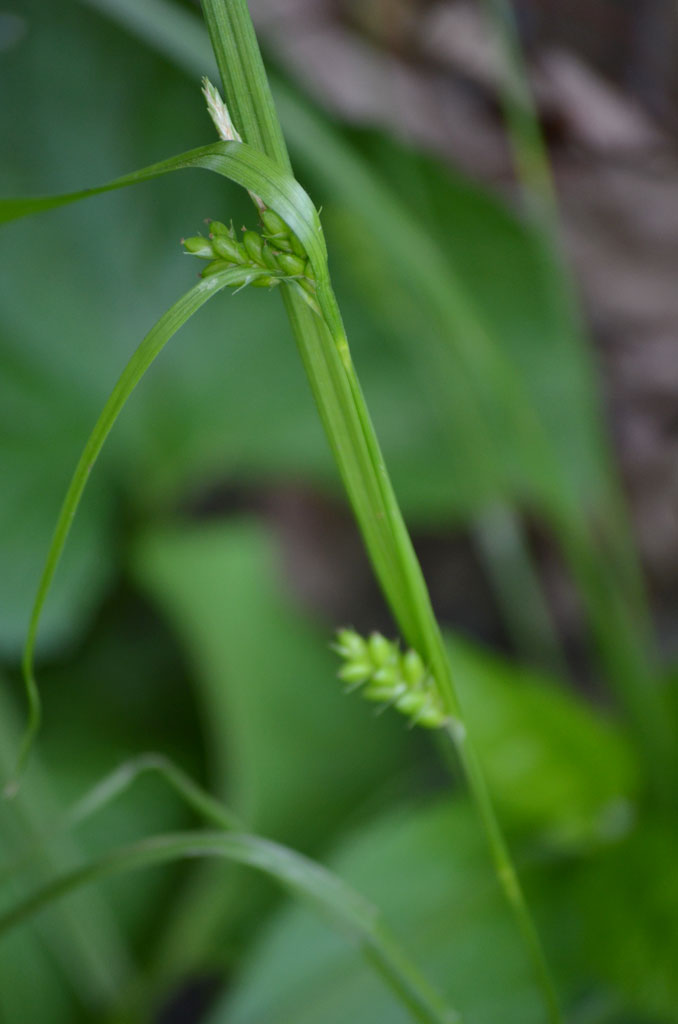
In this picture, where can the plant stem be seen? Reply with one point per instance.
(325, 353)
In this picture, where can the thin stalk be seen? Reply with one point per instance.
(202, 803)
(330, 369)
(115, 785)
(529, 150)
(505, 870)
(500, 536)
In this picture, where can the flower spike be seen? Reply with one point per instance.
(390, 677)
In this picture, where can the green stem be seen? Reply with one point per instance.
(505, 871)
(351, 435)
(119, 781)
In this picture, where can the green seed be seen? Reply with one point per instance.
(227, 249)
(297, 247)
(198, 246)
(215, 266)
(217, 228)
(355, 672)
(413, 667)
(292, 265)
(254, 245)
(269, 259)
(274, 224)
(351, 645)
(384, 694)
(266, 282)
(430, 717)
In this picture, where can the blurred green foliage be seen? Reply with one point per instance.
(164, 632)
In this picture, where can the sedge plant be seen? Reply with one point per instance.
(288, 253)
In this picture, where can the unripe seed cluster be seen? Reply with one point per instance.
(390, 676)
(277, 250)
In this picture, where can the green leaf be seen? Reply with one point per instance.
(77, 955)
(626, 896)
(326, 892)
(556, 767)
(428, 871)
(234, 160)
(265, 676)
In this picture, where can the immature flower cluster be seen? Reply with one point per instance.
(390, 676)
(277, 250)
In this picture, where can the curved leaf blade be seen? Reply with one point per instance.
(146, 353)
(239, 163)
(234, 160)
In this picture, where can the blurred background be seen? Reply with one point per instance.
(504, 244)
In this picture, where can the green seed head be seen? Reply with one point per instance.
(389, 677)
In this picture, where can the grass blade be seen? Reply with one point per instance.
(339, 397)
(609, 581)
(234, 160)
(244, 79)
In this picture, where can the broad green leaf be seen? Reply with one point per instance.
(627, 897)
(555, 766)
(428, 871)
(265, 676)
(346, 909)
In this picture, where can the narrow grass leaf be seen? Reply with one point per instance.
(145, 354)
